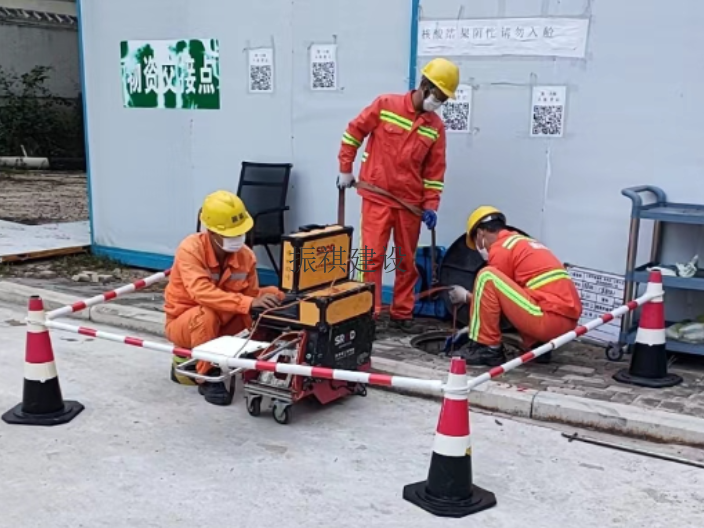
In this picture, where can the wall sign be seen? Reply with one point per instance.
(542, 37)
(600, 292)
(182, 74)
(548, 111)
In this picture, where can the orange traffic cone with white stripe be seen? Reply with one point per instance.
(649, 355)
(42, 402)
(449, 490)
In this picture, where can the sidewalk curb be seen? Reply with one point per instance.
(501, 397)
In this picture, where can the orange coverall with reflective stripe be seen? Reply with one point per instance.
(529, 285)
(203, 302)
(404, 155)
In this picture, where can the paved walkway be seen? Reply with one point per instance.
(149, 453)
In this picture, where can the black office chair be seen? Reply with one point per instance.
(263, 188)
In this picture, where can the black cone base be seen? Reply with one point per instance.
(16, 416)
(479, 500)
(668, 380)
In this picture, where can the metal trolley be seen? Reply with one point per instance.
(660, 211)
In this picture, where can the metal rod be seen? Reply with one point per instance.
(108, 296)
(629, 290)
(621, 447)
(341, 207)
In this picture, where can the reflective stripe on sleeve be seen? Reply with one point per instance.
(349, 139)
(433, 184)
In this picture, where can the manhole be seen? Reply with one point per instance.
(431, 342)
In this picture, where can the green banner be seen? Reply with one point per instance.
(171, 74)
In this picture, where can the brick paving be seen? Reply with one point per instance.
(577, 369)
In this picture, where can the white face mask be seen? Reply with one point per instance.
(431, 103)
(482, 251)
(232, 244)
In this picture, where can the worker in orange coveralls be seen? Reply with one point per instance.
(214, 286)
(524, 281)
(405, 156)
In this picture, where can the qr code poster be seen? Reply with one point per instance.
(548, 111)
(261, 70)
(457, 113)
(323, 67)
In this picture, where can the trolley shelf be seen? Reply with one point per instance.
(660, 212)
(672, 345)
(675, 213)
(640, 275)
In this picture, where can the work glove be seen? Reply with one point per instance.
(457, 340)
(458, 295)
(430, 219)
(345, 180)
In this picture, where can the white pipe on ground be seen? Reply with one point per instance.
(24, 162)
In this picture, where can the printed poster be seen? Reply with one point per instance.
(182, 74)
(261, 70)
(323, 67)
(498, 37)
(548, 111)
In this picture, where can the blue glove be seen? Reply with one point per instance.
(430, 219)
(457, 340)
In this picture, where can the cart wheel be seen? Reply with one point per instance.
(614, 352)
(362, 390)
(254, 405)
(282, 414)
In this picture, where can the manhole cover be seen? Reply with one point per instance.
(431, 342)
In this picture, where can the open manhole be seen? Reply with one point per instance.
(434, 342)
(431, 342)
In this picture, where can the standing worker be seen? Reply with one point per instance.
(214, 286)
(524, 281)
(403, 165)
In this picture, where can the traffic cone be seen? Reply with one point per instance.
(449, 491)
(42, 403)
(649, 356)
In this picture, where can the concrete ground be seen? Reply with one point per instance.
(147, 452)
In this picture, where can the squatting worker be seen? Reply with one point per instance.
(214, 286)
(405, 156)
(524, 281)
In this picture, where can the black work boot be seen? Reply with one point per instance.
(217, 393)
(406, 326)
(478, 355)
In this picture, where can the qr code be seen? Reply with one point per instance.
(323, 75)
(456, 116)
(260, 78)
(547, 120)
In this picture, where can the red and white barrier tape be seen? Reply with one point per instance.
(354, 376)
(108, 296)
(252, 364)
(562, 340)
(117, 338)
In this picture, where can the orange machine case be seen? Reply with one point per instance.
(316, 245)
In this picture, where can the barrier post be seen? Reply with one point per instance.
(449, 490)
(42, 401)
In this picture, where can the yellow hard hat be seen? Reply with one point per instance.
(484, 213)
(443, 74)
(224, 213)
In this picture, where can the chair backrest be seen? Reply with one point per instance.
(264, 186)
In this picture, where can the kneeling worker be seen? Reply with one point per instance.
(524, 281)
(214, 286)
